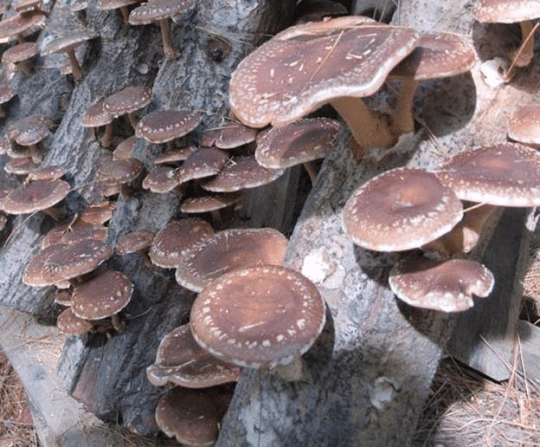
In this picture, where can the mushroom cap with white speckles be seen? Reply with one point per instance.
(115, 172)
(36, 196)
(506, 11)
(446, 286)
(204, 162)
(258, 316)
(228, 250)
(96, 116)
(524, 124)
(306, 66)
(135, 241)
(20, 52)
(70, 324)
(29, 130)
(177, 236)
(305, 140)
(400, 209)
(102, 296)
(127, 100)
(180, 360)
(156, 10)
(166, 125)
(506, 174)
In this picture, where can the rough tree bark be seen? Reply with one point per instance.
(370, 370)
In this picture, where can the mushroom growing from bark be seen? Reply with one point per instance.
(400, 209)
(306, 66)
(128, 101)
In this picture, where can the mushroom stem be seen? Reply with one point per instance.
(168, 46)
(75, 67)
(368, 129)
(133, 120)
(402, 118)
(524, 54)
(106, 139)
(309, 166)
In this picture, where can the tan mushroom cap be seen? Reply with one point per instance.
(242, 172)
(228, 250)
(20, 166)
(127, 100)
(165, 125)
(19, 53)
(204, 162)
(173, 156)
(230, 136)
(176, 237)
(306, 66)
(299, 142)
(400, 209)
(47, 173)
(437, 55)
(135, 241)
(258, 316)
(506, 11)
(156, 10)
(119, 171)
(190, 416)
(524, 124)
(103, 296)
(73, 232)
(96, 116)
(20, 24)
(29, 130)
(68, 42)
(211, 202)
(446, 286)
(180, 360)
(161, 179)
(36, 196)
(506, 174)
(61, 262)
(70, 324)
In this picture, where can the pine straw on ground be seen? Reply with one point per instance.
(464, 409)
(16, 429)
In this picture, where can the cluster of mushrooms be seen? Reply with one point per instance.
(277, 313)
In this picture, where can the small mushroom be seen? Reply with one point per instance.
(96, 116)
(446, 286)
(128, 101)
(19, 55)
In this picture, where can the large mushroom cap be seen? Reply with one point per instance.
(228, 250)
(258, 316)
(102, 296)
(446, 286)
(35, 196)
(506, 174)
(506, 11)
(306, 66)
(400, 209)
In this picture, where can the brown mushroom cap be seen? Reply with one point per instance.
(29, 130)
(70, 324)
(62, 262)
(20, 166)
(306, 66)
(68, 42)
(135, 241)
(506, 174)
(19, 53)
(127, 100)
(47, 173)
(204, 162)
(156, 10)
(73, 232)
(165, 125)
(96, 116)
(228, 250)
(401, 209)
(98, 214)
(505, 11)
(213, 202)
(177, 236)
(445, 286)
(20, 24)
(119, 171)
(436, 55)
(6, 92)
(300, 142)
(175, 155)
(36, 196)
(101, 297)
(524, 124)
(258, 316)
(190, 416)
(180, 360)
(230, 136)
(125, 149)
(242, 172)
(161, 179)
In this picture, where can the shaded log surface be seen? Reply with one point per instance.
(370, 370)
